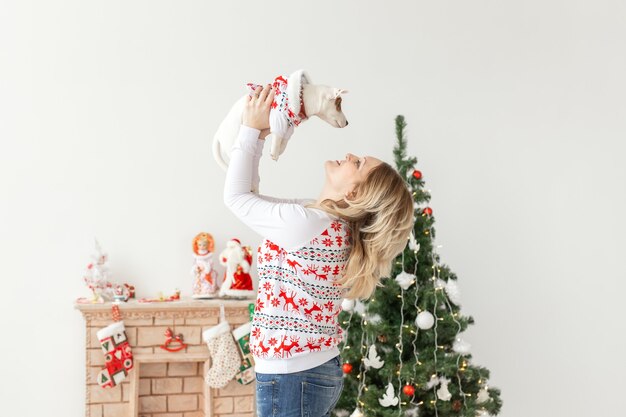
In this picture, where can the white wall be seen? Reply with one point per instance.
(515, 111)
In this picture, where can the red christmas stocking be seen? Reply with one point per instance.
(117, 354)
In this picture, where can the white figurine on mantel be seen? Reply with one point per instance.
(97, 277)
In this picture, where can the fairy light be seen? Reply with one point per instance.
(349, 322)
(462, 368)
(361, 375)
(362, 368)
(434, 261)
(400, 345)
(419, 310)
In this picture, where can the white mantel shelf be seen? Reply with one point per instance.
(185, 304)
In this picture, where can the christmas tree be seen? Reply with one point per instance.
(403, 351)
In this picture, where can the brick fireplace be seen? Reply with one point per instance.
(162, 383)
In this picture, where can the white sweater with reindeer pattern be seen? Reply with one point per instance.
(303, 253)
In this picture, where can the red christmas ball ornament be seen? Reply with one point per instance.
(417, 174)
(428, 211)
(408, 389)
(347, 368)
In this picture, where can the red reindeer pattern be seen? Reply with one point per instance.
(274, 247)
(312, 269)
(293, 264)
(311, 346)
(284, 350)
(263, 350)
(288, 300)
(309, 311)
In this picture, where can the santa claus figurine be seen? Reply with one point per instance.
(204, 276)
(237, 280)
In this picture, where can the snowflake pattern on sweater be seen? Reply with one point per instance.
(298, 299)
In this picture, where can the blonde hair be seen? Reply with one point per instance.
(203, 236)
(380, 217)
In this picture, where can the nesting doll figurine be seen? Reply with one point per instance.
(204, 276)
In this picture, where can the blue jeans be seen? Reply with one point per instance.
(310, 393)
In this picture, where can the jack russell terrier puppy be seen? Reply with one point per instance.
(295, 100)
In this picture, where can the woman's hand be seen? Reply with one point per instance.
(256, 112)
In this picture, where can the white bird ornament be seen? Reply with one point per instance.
(389, 399)
(373, 360)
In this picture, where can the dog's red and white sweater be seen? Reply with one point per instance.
(287, 109)
(303, 254)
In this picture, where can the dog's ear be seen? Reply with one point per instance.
(338, 92)
(338, 103)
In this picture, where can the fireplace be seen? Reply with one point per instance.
(162, 383)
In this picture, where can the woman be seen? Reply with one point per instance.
(314, 254)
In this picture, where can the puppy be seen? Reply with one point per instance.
(295, 100)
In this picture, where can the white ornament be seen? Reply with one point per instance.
(374, 318)
(359, 307)
(453, 292)
(439, 284)
(482, 413)
(413, 245)
(373, 360)
(389, 399)
(482, 396)
(341, 413)
(425, 320)
(347, 305)
(97, 277)
(461, 346)
(405, 280)
(434, 381)
(442, 393)
(356, 413)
